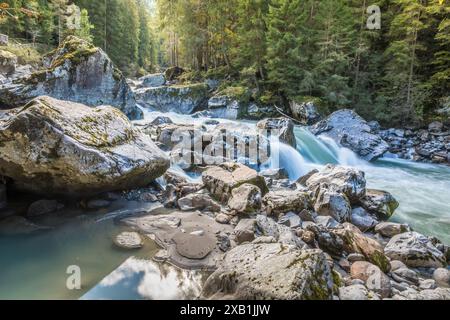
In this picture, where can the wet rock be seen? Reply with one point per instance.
(415, 250)
(41, 207)
(381, 203)
(348, 181)
(245, 231)
(290, 220)
(285, 200)
(245, 199)
(129, 240)
(190, 238)
(152, 80)
(390, 229)
(405, 275)
(333, 204)
(305, 112)
(96, 204)
(221, 180)
(17, 225)
(442, 277)
(283, 128)
(64, 148)
(356, 242)
(184, 99)
(228, 104)
(373, 277)
(362, 219)
(76, 71)
(351, 131)
(198, 201)
(271, 271)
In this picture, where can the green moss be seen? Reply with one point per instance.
(239, 93)
(378, 258)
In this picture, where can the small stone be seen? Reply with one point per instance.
(308, 236)
(223, 218)
(390, 229)
(442, 277)
(307, 215)
(245, 231)
(42, 207)
(198, 233)
(354, 292)
(129, 240)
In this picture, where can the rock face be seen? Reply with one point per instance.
(415, 250)
(271, 271)
(76, 71)
(184, 99)
(8, 62)
(306, 112)
(65, 148)
(221, 180)
(351, 131)
(283, 128)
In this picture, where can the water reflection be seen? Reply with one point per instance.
(138, 279)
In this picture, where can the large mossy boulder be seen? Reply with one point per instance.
(351, 131)
(75, 71)
(271, 271)
(184, 99)
(57, 147)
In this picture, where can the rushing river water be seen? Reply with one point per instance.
(34, 266)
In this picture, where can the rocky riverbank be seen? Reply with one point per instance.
(262, 235)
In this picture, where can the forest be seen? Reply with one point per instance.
(275, 51)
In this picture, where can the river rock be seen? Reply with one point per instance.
(390, 229)
(267, 226)
(8, 62)
(129, 240)
(351, 131)
(271, 271)
(41, 207)
(405, 275)
(380, 203)
(245, 231)
(290, 220)
(356, 292)
(415, 250)
(184, 99)
(356, 242)
(75, 71)
(152, 80)
(333, 204)
(192, 240)
(348, 181)
(283, 128)
(442, 277)
(198, 201)
(436, 294)
(373, 277)
(327, 240)
(305, 112)
(285, 200)
(221, 180)
(362, 219)
(65, 148)
(245, 199)
(226, 107)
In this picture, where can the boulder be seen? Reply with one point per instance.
(65, 148)
(8, 62)
(380, 203)
(442, 277)
(226, 107)
(283, 128)
(390, 229)
(306, 113)
(152, 80)
(271, 271)
(285, 200)
(373, 277)
(245, 198)
(173, 72)
(41, 207)
(405, 275)
(245, 231)
(333, 204)
(348, 181)
(198, 201)
(184, 99)
(356, 242)
(415, 250)
(75, 71)
(221, 180)
(129, 240)
(362, 219)
(349, 130)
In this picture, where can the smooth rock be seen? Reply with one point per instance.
(374, 278)
(390, 229)
(405, 275)
(129, 240)
(442, 277)
(153, 80)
